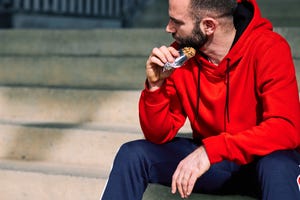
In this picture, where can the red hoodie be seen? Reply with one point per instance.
(247, 106)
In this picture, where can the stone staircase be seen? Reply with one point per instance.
(68, 101)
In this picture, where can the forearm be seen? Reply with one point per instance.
(158, 121)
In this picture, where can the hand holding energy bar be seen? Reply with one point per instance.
(185, 54)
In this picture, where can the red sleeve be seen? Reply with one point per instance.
(161, 114)
(279, 129)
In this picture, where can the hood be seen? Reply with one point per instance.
(249, 23)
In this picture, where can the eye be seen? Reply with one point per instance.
(176, 22)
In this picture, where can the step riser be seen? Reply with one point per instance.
(32, 186)
(134, 42)
(36, 105)
(78, 42)
(80, 107)
(74, 72)
(73, 58)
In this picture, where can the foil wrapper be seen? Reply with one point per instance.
(179, 61)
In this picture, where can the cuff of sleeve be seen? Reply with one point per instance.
(216, 148)
(155, 97)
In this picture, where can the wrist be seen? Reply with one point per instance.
(154, 86)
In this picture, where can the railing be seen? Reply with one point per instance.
(117, 9)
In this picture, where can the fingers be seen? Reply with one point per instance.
(164, 54)
(182, 184)
(174, 181)
(156, 61)
(191, 184)
(188, 171)
(183, 181)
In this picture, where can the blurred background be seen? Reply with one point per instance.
(86, 14)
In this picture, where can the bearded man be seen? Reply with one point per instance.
(240, 95)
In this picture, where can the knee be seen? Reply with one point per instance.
(130, 151)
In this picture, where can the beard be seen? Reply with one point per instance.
(196, 40)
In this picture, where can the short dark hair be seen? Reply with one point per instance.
(220, 8)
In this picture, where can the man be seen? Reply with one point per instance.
(240, 95)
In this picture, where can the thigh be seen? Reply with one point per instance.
(268, 177)
(163, 160)
(216, 180)
(278, 175)
(159, 160)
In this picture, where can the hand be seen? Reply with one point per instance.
(155, 63)
(188, 171)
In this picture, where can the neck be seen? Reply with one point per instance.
(218, 46)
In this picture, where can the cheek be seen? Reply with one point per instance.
(186, 31)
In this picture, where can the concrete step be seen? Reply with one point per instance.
(109, 72)
(35, 182)
(71, 147)
(81, 72)
(60, 169)
(102, 42)
(20, 185)
(68, 106)
(94, 42)
(111, 59)
(77, 158)
(73, 59)
(159, 192)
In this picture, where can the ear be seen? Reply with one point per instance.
(209, 25)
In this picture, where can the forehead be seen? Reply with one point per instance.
(179, 8)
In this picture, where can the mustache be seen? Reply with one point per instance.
(178, 40)
(174, 36)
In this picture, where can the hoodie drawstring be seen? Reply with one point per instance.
(226, 110)
(198, 92)
(227, 81)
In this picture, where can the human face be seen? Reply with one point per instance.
(196, 40)
(184, 29)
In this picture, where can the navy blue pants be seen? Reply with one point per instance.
(140, 162)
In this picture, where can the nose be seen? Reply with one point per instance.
(170, 28)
